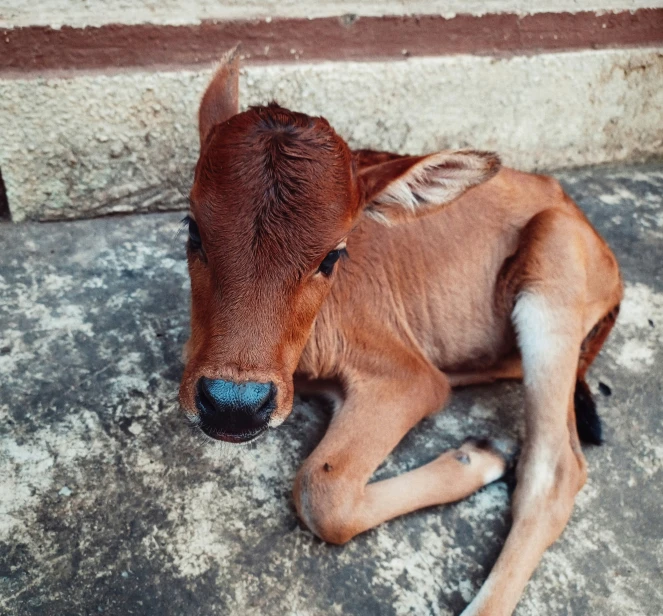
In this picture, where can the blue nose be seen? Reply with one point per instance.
(234, 412)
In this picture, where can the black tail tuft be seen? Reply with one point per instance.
(587, 419)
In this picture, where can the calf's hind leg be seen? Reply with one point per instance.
(550, 321)
(332, 493)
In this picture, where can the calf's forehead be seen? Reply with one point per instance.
(277, 186)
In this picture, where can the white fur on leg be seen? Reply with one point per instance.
(541, 338)
(493, 474)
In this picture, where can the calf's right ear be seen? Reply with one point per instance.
(221, 99)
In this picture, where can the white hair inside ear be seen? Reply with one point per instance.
(430, 183)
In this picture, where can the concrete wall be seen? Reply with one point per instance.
(97, 144)
(17, 13)
(85, 138)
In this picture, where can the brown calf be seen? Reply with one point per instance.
(459, 272)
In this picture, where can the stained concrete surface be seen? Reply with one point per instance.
(109, 504)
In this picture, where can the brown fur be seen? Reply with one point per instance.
(416, 308)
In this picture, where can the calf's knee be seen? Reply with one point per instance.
(326, 503)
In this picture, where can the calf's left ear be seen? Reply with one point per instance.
(413, 186)
(221, 99)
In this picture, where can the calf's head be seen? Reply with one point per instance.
(275, 196)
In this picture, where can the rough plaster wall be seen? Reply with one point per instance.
(97, 144)
(16, 13)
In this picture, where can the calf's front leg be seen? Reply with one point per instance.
(332, 493)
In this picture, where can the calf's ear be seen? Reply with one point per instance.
(413, 186)
(221, 99)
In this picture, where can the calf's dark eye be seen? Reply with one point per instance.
(327, 265)
(194, 234)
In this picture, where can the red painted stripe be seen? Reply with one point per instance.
(345, 38)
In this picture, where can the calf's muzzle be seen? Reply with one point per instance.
(234, 412)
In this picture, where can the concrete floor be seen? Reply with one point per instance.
(110, 505)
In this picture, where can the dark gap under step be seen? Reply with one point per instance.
(4, 203)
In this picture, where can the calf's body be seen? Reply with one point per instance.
(437, 285)
(439, 294)
(479, 274)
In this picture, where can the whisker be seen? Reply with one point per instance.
(218, 451)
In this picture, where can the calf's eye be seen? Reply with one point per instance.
(195, 242)
(327, 266)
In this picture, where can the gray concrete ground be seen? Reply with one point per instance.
(110, 505)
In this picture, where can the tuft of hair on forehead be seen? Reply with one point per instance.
(284, 180)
